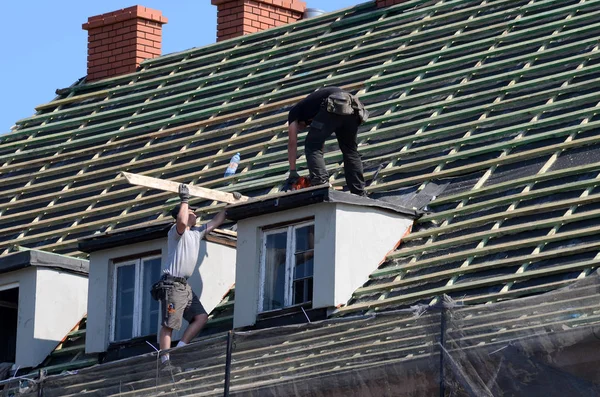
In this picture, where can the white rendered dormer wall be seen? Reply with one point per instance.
(350, 241)
(123, 268)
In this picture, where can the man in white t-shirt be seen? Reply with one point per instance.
(178, 301)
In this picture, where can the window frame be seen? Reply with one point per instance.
(290, 262)
(138, 262)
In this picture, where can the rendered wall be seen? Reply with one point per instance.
(51, 303)
(365, 235)
(213, 277)
(100, 290)
(350, 242)
(60, 303)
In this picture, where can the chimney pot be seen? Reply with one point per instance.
(312, 12)
(135, 31)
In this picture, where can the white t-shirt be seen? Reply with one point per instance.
(183, 250)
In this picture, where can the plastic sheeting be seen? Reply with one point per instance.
(548, 344)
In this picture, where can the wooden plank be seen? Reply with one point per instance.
(529, 258)
(508, 159)
(220, 118)
(208, 112)
(503, 231)
(504, 215)
(531, 194)
(536, 178)
(379, 304)
(321, 49)
(396, 102)
(336, 155)
(510, 294)
(475, 138)
(65, 101)
(446, 274)
(265, 182)
(490, 250)
(333, 80)
(170, 186)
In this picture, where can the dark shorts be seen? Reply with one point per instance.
(179, 301)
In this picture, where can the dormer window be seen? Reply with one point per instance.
(302, 254)
(287, 263)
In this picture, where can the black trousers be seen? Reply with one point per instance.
(345, 127)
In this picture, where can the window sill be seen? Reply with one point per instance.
(289, 316)
(286, 310)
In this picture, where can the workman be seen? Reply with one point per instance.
(327, 110)
(177, 299)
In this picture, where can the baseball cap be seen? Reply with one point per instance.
(175, 210)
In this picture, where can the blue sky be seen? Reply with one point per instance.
(44, 47)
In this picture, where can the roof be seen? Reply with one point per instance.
(492, 103)
(313, 195)
(27, 258)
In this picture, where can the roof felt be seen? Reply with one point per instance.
(494, 101)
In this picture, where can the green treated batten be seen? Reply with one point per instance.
(457, 89)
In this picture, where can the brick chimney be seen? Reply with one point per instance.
(238, 17)
(119, 41)
(387, 3)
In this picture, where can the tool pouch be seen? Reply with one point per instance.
(359, 109)
(340, 103)
(346, 104)
(159, 289)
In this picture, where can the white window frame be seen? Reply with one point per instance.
(137, 298)
(290, 262)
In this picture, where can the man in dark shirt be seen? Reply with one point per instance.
(313, 111)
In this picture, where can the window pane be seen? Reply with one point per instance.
(274, 292)
(303, 264)
(303, 291)
(124, 302)
(305, 238)
(151, 272)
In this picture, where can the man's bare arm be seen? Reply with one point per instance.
(182, 218)
(292, 144)
(215, 222)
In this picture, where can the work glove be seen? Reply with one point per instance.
(237, 195)
(293, 177)
(184, 193)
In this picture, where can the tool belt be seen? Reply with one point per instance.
(166, 282)
(345, 104)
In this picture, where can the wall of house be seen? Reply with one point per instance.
(61, 302)
(365, 235)
(213, 277)
(350, 242)
(51, 303)
(98, 328)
